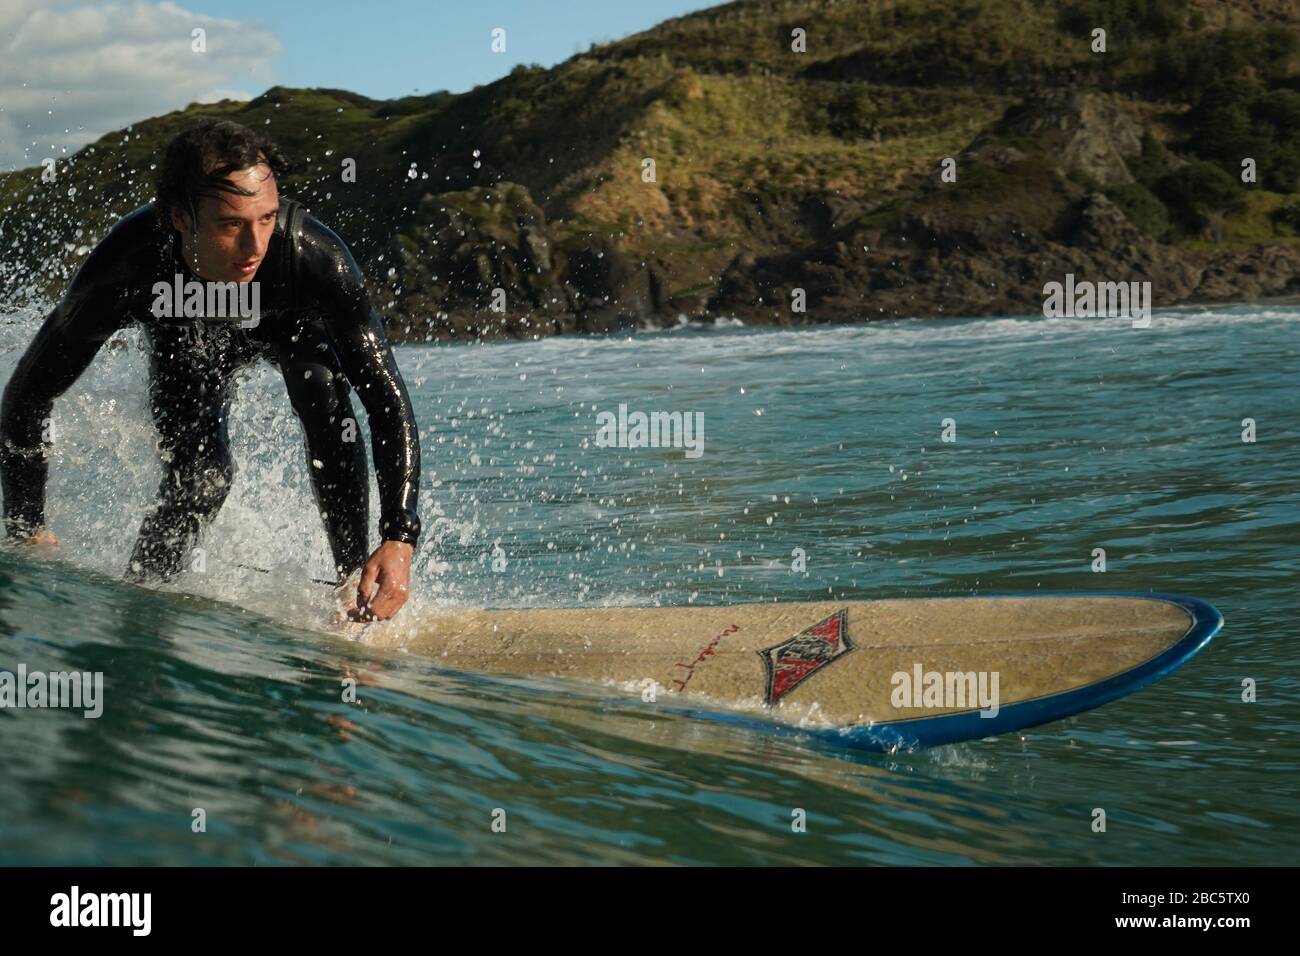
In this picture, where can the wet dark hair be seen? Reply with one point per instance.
(199, 159)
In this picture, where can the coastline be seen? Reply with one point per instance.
(518, 331)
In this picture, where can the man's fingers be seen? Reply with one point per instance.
(390, 599)
(384, 583)
(367, 585)
(380, 606)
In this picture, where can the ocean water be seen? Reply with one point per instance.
(222, 690)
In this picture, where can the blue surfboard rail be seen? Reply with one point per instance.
(942, 729)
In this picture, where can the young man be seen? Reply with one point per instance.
(219, 218)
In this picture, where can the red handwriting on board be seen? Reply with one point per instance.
(700, 657)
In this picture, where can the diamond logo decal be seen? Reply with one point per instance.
(793, 661)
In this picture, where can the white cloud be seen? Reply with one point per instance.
(71, 70)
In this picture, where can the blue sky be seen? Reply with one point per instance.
(396, 47)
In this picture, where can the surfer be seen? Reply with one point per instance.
(219, 219)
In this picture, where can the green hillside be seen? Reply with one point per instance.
(777, 169)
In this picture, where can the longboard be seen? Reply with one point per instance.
(872, 675)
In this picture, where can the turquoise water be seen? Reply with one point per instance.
(1071, 434)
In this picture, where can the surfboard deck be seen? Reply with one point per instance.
(830, 670)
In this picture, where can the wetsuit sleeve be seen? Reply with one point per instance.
(331, 281)
(90, 312)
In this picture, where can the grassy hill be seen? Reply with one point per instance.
(776, 169)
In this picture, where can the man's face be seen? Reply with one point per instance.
(229, 241)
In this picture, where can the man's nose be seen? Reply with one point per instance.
(251, 245)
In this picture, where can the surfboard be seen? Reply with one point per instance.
(878, 675)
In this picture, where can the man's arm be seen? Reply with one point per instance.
(72, 333)
(336, 287)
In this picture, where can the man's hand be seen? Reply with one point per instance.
(43, 537)
(389, 568)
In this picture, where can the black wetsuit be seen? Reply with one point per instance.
(315, 324)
